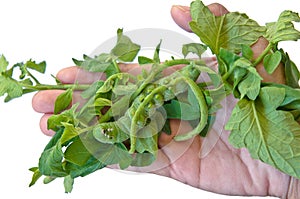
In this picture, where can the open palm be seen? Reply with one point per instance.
(209, 163)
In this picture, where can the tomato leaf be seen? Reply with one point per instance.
(228, 31)
(283, 29)
(267, 133)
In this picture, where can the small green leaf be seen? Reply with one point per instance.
(55, 122)
(69, 133)
(48, 179)
(68, 184)
(77, 153)
(145, 60)
(271, 61)
(63, 101)
(125, 50)
(100, 63)
(250, 86)
(102, 102)
(156, 58)
(292, 74)
(183, 110)
(3, 64)
(35, 176)
(226, 60)
(147, 144)
(247, 52)
(40, 67)
(195, 48)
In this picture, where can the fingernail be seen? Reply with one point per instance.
(182, 8)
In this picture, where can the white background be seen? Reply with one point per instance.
(57, 31)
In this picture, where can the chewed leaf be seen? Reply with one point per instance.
(228, 31)
(40, 67)
(283, 29)
(195, 48)
(10, 87)
(270, 135)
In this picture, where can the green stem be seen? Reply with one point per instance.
(116, 66)
(263, 54)
(175, 62)
(34, 79)
(40, 87)
(226, 75)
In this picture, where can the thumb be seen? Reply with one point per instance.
(181, 14)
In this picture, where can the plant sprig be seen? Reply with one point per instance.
(124, 115)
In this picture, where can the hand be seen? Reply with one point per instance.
(223, 170)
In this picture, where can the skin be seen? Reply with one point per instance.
(209, 163)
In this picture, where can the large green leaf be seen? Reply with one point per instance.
(228, 31)
(270, 135)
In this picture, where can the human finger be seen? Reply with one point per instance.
(44, 125)
(74, 74)
(44, 101)
(181, 14)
